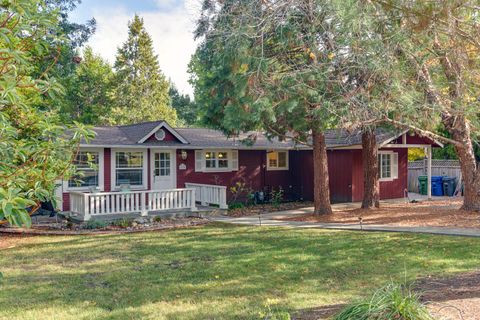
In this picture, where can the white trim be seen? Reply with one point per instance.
(203, 168)
(165, 125)
(173, 166)
(101, 172)
(113, 167)
(160, 137)
(402, 134)
(391, 165)
(277, 168)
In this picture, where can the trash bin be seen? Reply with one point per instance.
(449, 184)
(422, 184)
(437, 186)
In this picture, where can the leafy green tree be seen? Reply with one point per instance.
(87, 98)
(141, 90)
(438, 44)
(185, 107)
(35, 149)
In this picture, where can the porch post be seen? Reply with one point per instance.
(143, 203)
(193, 201)
(429, 172)
(86, 207)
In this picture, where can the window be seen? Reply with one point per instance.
(277, 160)
(160, 135)
(87, 170)
(129, 168)
(387, 165)
(162, 164)
(215, 160)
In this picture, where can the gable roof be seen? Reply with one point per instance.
(137, 135)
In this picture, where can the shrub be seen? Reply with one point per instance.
(123, 223)
(392, 301)
(157, 219)
(277, 197)
(95, 224)
(235, 205)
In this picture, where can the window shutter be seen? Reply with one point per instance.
(198, 160)
(234, 164)
(394, 165)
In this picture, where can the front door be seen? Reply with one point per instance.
(163, 170)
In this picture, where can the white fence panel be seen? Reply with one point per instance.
(450, 168)
(208, 194)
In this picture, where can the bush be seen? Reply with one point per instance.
(235, 205)
(392, 301)
(95, 224)
(123, 223)
(277, 197)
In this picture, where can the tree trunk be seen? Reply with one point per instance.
(321, 189)
(460, 130)
(371, 183)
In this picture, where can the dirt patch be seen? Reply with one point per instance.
(266, 208)
(451, 298)
(445, 213)
(8, 241)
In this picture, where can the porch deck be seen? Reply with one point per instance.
(168, 203)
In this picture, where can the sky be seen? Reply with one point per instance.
(170, 23)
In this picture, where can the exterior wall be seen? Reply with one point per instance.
(168, 137)
(345, 169)
(388, 189)
(251, 170)
(339, 168)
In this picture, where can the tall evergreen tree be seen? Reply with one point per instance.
(141, 90)
(186, 108)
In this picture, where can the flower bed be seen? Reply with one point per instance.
(266, 208)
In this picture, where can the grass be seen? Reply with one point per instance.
(214, 272)
(393, 301)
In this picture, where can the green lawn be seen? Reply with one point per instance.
(214, 272)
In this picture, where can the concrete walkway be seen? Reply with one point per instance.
(274, 219)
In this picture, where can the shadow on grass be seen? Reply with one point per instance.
(219, 270)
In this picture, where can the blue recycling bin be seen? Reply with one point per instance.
(437, 186)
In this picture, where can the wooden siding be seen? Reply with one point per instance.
(339, 168)
(388, 189)
(251, 170)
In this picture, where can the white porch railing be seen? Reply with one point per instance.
(96, 204)
(208, 194)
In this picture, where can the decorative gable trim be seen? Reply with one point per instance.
(166, 126)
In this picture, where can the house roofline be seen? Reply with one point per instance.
(164, 124)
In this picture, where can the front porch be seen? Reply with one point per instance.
(85, 206)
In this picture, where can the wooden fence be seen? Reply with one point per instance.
(450, 168)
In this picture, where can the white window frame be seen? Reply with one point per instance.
(270, 168)
(392, 166)
(101, 185)
(113, 166)
(230, 157)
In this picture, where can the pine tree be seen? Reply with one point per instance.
(185, 107)
(141, 90)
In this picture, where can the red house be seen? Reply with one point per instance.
(153, 167)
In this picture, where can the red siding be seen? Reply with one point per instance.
(388, 189)
(251, 170)
(340, 171)
(66, 201)
(168, 137)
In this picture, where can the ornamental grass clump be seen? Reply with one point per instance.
(393, 301)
